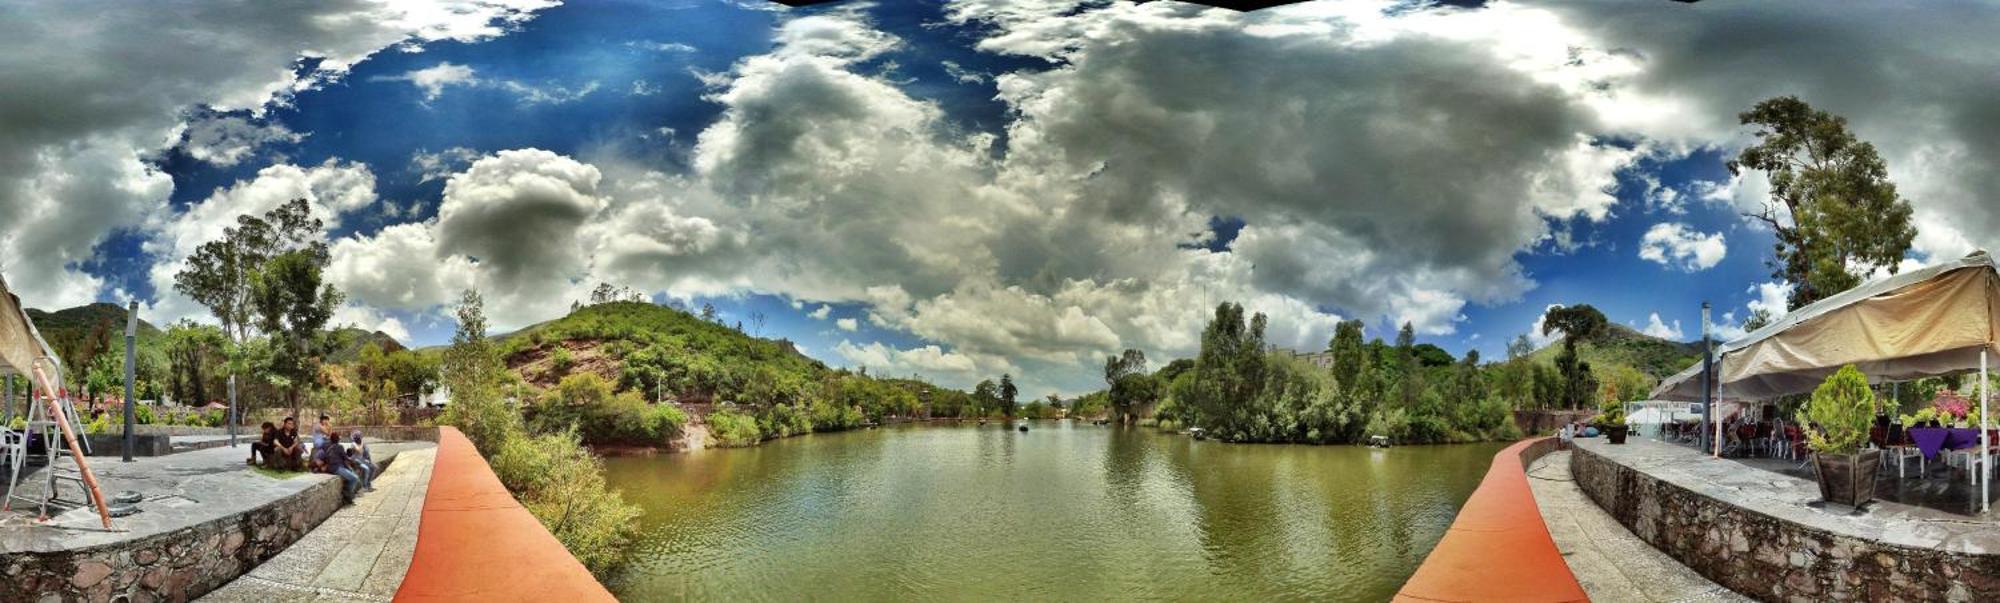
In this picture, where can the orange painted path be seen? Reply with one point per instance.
(1498, 549)
(476, 543)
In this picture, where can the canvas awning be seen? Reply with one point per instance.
(20, 344)
(1927, 322)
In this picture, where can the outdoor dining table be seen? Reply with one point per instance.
(1930, 440)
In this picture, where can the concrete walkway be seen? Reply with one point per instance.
(1610, 562)
(358, 554)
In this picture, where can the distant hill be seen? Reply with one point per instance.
(1620, 344)
(83, 319)
(78, 334)
(611, 339)
(348, 342)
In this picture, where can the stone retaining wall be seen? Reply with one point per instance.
(1773, 559)
(173, 566)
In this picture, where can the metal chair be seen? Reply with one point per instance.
(1902, 449)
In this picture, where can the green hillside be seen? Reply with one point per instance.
(345, 343)
(642, 345)
(1621, 345)
(78, 334)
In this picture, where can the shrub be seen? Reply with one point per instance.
(563, 485)
(142, 415)
(1923, 415)
(212, 418)
(1841, 409)
(1610, 412)
(562, 360)
(98, 425)
(783, 420)
(483, 416)
(732, 429)
(584, 402)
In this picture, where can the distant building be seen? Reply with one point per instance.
(1321, 359)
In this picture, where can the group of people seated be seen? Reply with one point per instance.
(281, 448)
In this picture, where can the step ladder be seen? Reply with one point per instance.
(55, 419)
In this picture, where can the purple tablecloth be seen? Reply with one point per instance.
(1930, 440)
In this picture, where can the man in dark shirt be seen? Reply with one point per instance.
(335, 456)
(290, 450)
(264, 445)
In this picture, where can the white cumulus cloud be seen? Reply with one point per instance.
(1675, 245)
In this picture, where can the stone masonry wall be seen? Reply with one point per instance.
(1771, 559)
(174, 566)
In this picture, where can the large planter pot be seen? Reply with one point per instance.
(1847, 479)
(1616, 433)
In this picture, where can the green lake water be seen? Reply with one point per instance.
(1065, 512)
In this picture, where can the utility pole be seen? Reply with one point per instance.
(131, 335)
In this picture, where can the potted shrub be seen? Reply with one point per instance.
(1611, 421)
(1839, 416)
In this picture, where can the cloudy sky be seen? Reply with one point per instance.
(972, 187)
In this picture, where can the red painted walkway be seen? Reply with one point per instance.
(476, 543)
(1498, 549)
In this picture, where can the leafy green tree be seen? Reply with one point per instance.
(1406, 369)
(1578, 323)
(1432, 356)
(194, 352)
(1832, 207)
(474, 375)
(218, 275)
(986, 397)
(293, 304)
(1131, 361)
(105, 374)
(1008, 394)
(1758, 319)
(1520, 347)
(1349, 354)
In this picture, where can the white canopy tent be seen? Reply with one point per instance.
(23, 352)
(1939, 320)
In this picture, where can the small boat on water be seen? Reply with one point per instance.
(1198, 433)
(1378, 441)
(1024, 428)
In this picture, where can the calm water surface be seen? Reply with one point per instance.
(1065, 512)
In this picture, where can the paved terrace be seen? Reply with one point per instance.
(1791, 497)
(180, 489)
(358, 554)
(1610, 561)
(205, 519)
(1768, 536)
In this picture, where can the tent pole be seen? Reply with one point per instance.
(1707, 374)
(1985, 450)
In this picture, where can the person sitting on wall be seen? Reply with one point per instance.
(332, 458)
(362, 462)
(264, 445)
(291, 451)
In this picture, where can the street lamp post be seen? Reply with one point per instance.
(131, 335)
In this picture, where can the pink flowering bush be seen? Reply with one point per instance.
(1949, 404)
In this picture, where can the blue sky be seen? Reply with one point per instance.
(960, 189)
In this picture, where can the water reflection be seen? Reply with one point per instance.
(1064, 513)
